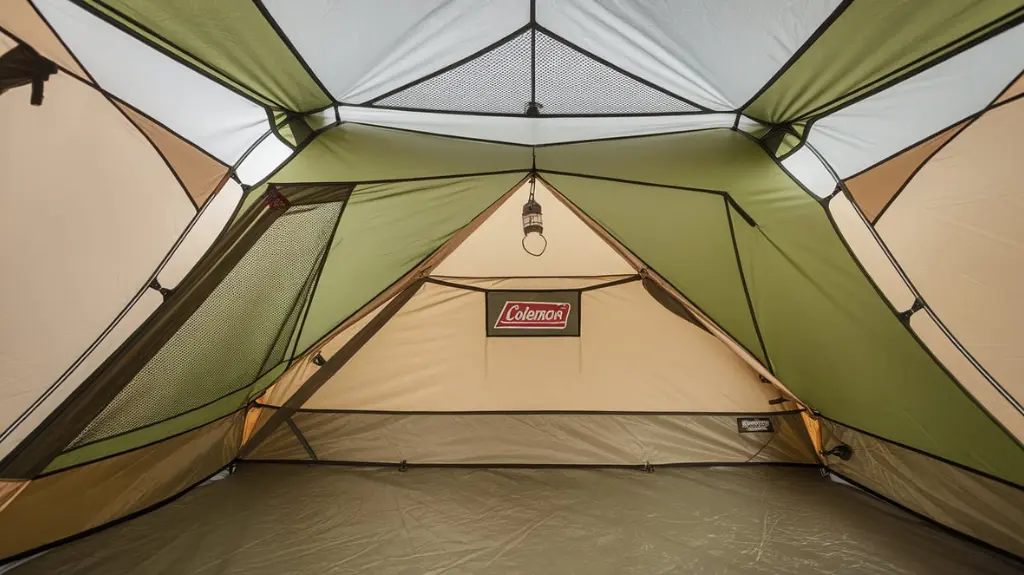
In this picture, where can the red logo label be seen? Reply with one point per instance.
(533, 315)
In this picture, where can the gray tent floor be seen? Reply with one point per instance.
(276, 518)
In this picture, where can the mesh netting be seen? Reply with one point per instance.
(570, 82)
(497, 82)
(241, 330)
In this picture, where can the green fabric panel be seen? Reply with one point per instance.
(682, 234)
(385, 231)
(830, 336)
(358, 153)
(868, 41)
(229, 39)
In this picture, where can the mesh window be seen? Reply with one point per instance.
(497, 82)
(239, 332)
(570, 82)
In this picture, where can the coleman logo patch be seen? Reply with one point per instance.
(526, 313)
(754, 425)
(533, 315)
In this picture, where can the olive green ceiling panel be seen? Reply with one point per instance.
(228, 39)
(872, 42)
(359, 153)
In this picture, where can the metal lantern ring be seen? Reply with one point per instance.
(533, 221)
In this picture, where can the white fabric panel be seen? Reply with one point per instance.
(532, 131)
(264, 159)
(361, 50)
(877, 127)
(211, 221)
(751, 126)
(809, 171)
(211, 116)
(717, 54)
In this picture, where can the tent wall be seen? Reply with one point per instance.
(851, 359)
(535, 439)
(985, 508)
(69, 502)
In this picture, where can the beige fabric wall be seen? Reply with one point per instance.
(876, 187)
(537, 439)
(865, 247)
(69, 502)
(956, 231)
(495, 249)
(633, 355)
(87, 211)
(982, 508)
(200, 173)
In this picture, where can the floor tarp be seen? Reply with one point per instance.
(276, 519)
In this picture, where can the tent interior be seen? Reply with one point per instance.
(522, 286)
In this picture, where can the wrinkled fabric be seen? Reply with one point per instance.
(280, 519)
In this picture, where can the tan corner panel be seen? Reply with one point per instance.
(199, 172)
(1015, 89)
(22, 20)
(869, 253)
(983, 508)
(539, 439)
(956, 231)
(495, 249)
(68, 502)
(875, 188)
(633, 355)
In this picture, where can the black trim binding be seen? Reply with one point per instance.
(959, 466)
(822, 28)
(291, 47)
(266, 102)
(945, 528)
(746, 290)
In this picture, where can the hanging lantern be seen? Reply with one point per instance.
(533, 224)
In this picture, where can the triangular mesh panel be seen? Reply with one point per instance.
(496, 82)
(568, 82)
(237, 334)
